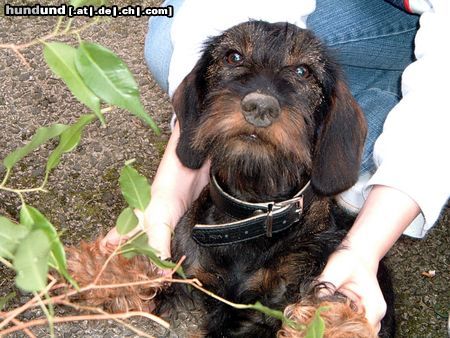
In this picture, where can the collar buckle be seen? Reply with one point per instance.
(295, 200)
(269, 220)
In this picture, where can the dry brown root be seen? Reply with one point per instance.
(342, 320)
(85, 263)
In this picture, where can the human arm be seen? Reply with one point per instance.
(413, 165)
(353, 267)
(412, 152)
(174, 188)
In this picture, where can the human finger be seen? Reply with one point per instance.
(114, 239)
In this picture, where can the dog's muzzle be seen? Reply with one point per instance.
(259, 109)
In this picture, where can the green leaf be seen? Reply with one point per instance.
(110, 79)
(31, 261)
(135, 188)
(41, 136)
(61, 60)
(69, 140)
(6, 299)
(316, 328)
(126, 221)
(139, 246)
(26, 217)
(10, 236)
(275, 314)
(57, 256)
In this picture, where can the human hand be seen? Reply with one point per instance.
(356, 278)
(156, 220)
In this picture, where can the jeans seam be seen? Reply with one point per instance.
(367, 164)
(372, 37)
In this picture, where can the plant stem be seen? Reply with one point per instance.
(125, 315)
(54, 34)
(58, 25)
(116, 250)
(31, 303)
(18, 322)
(69, 23)
(19, 191)
(47, 313)
(6, 263)
(5, 179)
(121, 322)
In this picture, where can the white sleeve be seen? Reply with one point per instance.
(412, 153)
(198, 20)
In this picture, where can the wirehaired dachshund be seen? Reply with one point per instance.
(267, 105)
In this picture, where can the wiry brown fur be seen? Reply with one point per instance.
(342, 320)
(85, 263)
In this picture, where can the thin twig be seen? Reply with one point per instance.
(38, 322)
(197, 284)
(18, 322)
(149, 282)
(114, 253)
(182, 259)
(6, 263)
(31, 303)
(58, 24)
(47, 314)
(16, 48)
(94, 309)
(23, 190)
(5, 179)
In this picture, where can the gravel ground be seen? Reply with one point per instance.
(84, 198)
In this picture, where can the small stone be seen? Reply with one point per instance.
(38, 172)
(92, 161)
(97, 147)
(109, 198)
(41, 75)
(77, 167)
(37, 95)
(24, 77)
(102, 165)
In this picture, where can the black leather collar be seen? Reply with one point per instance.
(255, 219)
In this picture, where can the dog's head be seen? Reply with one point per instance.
(268, 105)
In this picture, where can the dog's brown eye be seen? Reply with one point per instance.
(302, 71)
(234, 58)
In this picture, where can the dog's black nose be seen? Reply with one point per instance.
(260, 109)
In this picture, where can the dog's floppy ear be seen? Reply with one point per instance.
(340, 143)
(186, 102)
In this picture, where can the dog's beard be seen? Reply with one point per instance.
(255, 175)
(253, 163)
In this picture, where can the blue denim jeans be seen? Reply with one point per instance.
(371, 39)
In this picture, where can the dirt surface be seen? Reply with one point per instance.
(84, 198)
